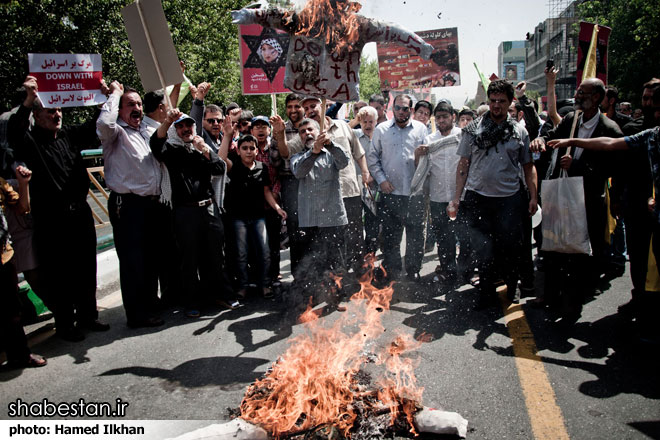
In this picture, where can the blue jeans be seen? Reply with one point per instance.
(252, 232)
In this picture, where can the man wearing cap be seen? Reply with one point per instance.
(133, 176)
(341, 134)
(197, 223)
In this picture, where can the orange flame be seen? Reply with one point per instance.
(314, 382)
(331, 21)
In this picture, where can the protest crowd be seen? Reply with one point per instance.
(202, 203)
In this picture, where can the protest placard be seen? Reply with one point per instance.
(399, 69)
(67, 80)
(155, 56)
(263, 53)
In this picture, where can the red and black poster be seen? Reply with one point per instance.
(400, 70)
(584, 40)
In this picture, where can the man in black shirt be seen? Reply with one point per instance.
(64, 233)
(198, 228)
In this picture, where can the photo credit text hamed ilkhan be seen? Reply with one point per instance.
(71, 420)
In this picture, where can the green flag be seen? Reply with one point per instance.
(484, 82)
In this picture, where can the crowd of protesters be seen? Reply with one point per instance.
(202, 203)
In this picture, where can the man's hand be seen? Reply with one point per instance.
(559, 143)
(422, 150)
(235, 114)
(31, 87)
(320, 141)
(201, 91)
(229, 127)
(520, 89)
(537, 145)
(23, 174)
(551, 75)
(199, 144)
(278, 124)
(565, 162)
(386, 187)
(452, 209)
(281, 213)
(104, 88)
(366, 178)
(173, 115)
(116, 87)
(533, 206)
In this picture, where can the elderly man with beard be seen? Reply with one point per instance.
(198, 228)
(644, 305)
(321, 212)
(492, 151)
(367, 116)
(342, 135)
(568, 277)
(64, 234)
(134, 177)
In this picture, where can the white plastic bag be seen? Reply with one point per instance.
(564, 222)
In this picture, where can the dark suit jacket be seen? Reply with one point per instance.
(595, 167)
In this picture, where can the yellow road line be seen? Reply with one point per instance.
(544, 413)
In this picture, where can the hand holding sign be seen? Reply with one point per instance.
(31, 88)
(115, 86)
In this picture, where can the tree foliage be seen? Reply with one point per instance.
(369, 79)
(634, 42)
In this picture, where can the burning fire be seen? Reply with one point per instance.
(316, 381)
(331, 21)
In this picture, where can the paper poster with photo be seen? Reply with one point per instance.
(263, 59)
(399, 69)
(513, 71)
(67, 80)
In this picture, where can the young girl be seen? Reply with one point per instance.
(246, 195)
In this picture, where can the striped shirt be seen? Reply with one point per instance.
(130, 167)
(319, 195)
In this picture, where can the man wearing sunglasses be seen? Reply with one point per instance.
(208, 119)
(392, 164)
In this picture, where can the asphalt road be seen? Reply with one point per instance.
(592, 382)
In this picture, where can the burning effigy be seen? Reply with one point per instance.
(346, 379)
(340, 380)
(327, 38)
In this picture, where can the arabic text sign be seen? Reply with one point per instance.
(399, 69)
(67, 80)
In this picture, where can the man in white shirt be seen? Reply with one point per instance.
(134, 176)
(442, 186)
(392, 164)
